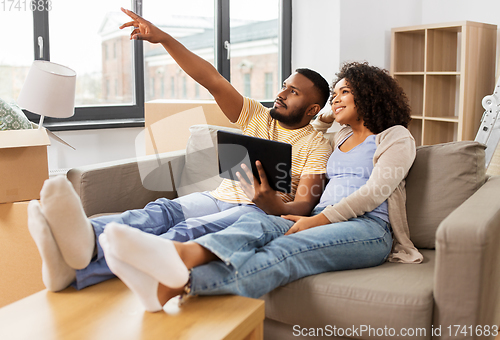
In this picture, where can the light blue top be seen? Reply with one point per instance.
(348, 171)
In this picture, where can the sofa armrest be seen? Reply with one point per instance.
(127, 184)
(467, 272)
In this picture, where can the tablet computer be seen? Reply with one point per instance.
(276, 158)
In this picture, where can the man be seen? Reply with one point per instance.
(67, 240)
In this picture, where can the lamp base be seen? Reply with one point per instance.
(40, 122)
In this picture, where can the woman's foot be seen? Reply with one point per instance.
(149, 265)
(143, 285)
(151, 254)
(56, 273)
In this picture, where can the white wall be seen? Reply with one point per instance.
(325, 33)
(366, 28)
(316, 36)
(486, 11)
(92, 146)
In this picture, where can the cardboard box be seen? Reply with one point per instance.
(20, 262)
(167, 122)
(23, 164)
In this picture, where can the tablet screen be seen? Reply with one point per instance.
(276, 158)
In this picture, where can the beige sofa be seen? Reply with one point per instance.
(454, 218)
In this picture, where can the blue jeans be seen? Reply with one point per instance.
(182, 219)
(257, 257)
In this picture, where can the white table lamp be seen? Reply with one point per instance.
(49, 90)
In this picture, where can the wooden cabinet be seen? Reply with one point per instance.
(445, 70)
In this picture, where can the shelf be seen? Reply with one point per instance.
(415, 128)
(414, 89)
(443, 73)
(445, 70)
(443, 119)
(441, 96)
(443, 49)
(410, 51)
(436, 132)
(409, 73)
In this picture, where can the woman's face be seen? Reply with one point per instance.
(343, 106)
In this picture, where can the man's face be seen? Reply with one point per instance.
(291, 103)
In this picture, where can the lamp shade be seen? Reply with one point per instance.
(49, 90)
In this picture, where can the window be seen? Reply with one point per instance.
(197, 91)
(152, 87)
(93, 32)
(115, 75)
(270, 86)
(16, 54)
(192, 23)
(247, 85)
(254, 46)
(184, 87)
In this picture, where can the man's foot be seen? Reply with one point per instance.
(56, 274)
(153, 255)
(70, 227)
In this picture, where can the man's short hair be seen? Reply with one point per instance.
(319, 82)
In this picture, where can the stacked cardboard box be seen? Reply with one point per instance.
(23, 164)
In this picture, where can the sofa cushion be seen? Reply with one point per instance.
(442, 177)
(201, 171)
(12, 117)
(391, 295)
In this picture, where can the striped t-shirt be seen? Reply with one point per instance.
(310, 151)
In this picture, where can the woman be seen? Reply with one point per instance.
(352, 226)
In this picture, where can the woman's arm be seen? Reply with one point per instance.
(303, 223)
(323, 122)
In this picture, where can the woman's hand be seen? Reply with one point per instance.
(261, 193)
(303, 222)
(143, 29)
(327, 117)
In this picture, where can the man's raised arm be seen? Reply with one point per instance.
(227, 97)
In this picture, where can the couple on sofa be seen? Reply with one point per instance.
(244, 238)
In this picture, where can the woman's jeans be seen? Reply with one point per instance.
(182, 219)
(257, 257)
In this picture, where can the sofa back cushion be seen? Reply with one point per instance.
(442, 177)
(201, 170)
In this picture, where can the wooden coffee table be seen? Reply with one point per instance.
(109, 310)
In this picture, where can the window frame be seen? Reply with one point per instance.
(103, 117)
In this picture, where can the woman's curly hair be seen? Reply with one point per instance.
(379, 99)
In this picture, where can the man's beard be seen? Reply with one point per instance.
(292, 119)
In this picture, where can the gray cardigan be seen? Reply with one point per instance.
(392, 160)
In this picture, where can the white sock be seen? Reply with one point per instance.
(56, 274)
(151, 254)
(64, 213)
(143, 285)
